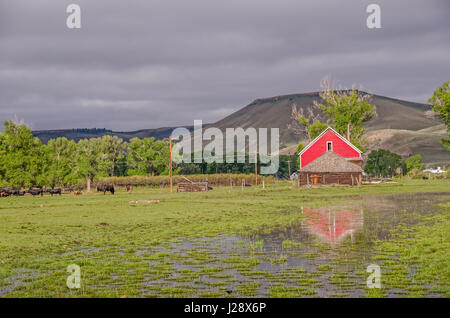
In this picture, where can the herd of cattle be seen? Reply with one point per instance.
(7, 192)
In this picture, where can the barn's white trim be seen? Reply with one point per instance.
(322, 133)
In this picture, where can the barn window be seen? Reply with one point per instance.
(329, 146)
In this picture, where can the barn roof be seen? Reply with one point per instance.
(331, 162)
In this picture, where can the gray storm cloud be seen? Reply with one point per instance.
(148, 64)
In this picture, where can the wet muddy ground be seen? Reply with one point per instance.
(324, 253)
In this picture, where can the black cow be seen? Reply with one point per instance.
(14, 191)
(34, 192)
(106, 187)
(54, 191)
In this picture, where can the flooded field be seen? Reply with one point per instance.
(320, 251)
(324, 254)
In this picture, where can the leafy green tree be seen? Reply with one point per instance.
(413, 162)
(348, 110)
(382, 162)
(114, 148)
(22, 156)
(300, 147)
(91, 161)
(316, 128)
(313, 129)
(441, 106)
(61, 154)
(148, 157)
(120, 169)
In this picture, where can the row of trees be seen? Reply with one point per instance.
(26, 162)
(287, 165)
(384, 163)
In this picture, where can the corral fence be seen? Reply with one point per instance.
(192, 187)
(164, 181)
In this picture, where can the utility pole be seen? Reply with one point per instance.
(170, 168)
(256, 168)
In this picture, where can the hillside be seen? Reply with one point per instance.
(77, 134)
(276, 112)
(402, 126)
(406, 142)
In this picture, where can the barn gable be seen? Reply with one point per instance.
(328, 141)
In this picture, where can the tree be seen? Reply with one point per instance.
(91, 161)
(348, 110)
(114, 148)
(441, 107)
(309, 124)
(313, 129)
(382, 162)
(413, 162)
(316, 128)
(22, 156)
(300, 147)
(61, 154)
(147, 156)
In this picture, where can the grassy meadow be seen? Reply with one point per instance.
(228, 242)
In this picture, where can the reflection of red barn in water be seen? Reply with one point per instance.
(332, 226)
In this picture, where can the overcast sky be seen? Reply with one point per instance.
(147, 64)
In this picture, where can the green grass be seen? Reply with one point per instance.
(114, 241)
(426, 250)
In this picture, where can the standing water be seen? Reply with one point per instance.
(324, 253)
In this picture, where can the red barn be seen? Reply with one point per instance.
(330, 159)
